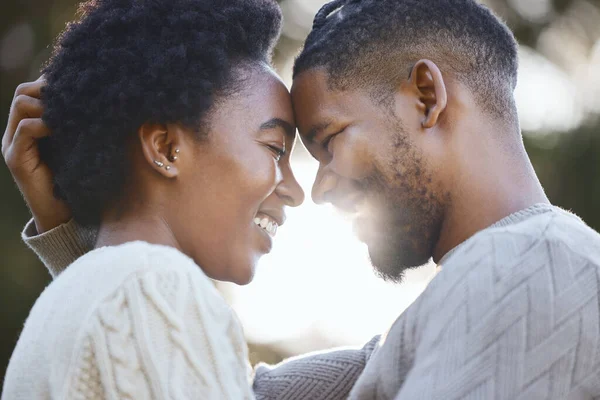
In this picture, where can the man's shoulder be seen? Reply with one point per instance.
(557, 238)
(545, 254)
(544, 238)
(571, 234)
(548, 257)
(528, 289)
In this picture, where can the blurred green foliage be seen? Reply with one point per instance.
(568, 163)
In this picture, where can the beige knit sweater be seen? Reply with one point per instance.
(513, 314)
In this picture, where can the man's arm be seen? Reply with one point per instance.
(317, 376)
(60, 246)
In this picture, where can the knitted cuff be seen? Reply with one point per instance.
(58, 247)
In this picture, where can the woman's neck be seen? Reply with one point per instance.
(128, 228)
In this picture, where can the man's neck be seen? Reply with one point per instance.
(489, 190)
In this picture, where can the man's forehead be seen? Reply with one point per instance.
(310, 86)
(315, 105)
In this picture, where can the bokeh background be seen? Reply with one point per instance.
(317, 290)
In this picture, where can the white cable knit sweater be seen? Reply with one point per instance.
(135, 321)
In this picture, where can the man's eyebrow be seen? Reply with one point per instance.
(274, 123)
(310, 136)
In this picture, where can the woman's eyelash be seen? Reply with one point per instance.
(278, 151)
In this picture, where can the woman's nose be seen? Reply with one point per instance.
(290, 190)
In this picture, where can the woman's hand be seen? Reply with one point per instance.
(21, 154)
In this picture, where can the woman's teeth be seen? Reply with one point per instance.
(267, 224)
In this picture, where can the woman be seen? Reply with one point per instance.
(171, 137)
(162, 151)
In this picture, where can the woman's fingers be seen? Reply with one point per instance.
(29, 129)
(32, 89)
(19, 153)
(23, 106)
(27, 106)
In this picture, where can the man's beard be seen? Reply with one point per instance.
(404, 226)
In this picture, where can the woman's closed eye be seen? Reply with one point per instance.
(278, 151)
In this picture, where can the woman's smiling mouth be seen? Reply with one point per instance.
(267, 223)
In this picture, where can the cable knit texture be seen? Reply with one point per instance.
(513, 314)
(136, 321)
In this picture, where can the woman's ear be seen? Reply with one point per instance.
(427, 81)
(161, 148)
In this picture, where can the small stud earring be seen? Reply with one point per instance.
(158, 163)
(168, 167)
(174, 158)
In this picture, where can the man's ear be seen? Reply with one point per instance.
(161, 147)
(427, 81)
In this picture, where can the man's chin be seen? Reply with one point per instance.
(385, 267)
(390, 264)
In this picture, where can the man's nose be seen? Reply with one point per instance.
(325, 182)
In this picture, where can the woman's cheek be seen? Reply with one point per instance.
(262, 175)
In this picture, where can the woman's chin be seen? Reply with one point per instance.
(243, 276)
(237, 268)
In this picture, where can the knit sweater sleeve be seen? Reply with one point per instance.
(59, 247)
(327, 375)
(162, 334)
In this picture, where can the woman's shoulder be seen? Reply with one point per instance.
(157, 268)
(104, 271)
(136, 271)
(117, 264)
(129, 304)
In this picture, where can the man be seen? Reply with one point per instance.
(408, 107)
